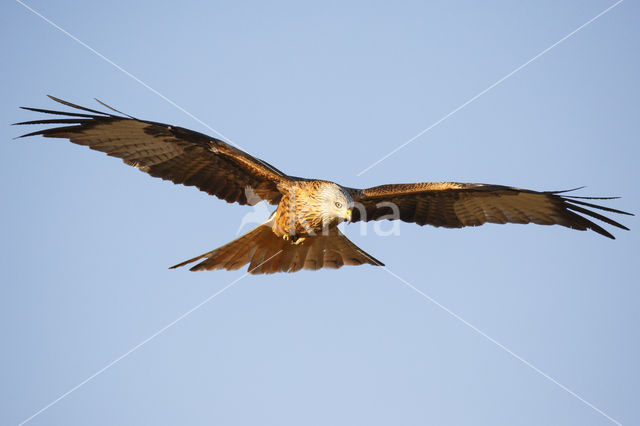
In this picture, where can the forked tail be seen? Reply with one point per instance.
(267, 253)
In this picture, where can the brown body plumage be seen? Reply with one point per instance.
(302, 232)
(300, 210)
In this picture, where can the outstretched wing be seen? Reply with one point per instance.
(454, 205)
(168, 152)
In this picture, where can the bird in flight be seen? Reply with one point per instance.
(302, 232)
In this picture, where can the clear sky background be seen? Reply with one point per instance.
(322, 91)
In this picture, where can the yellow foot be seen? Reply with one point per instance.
(299, 240)
(285, 237)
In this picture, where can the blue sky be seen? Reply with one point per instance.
(322, 91)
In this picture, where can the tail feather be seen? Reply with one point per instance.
(299, 256)
(267, 253)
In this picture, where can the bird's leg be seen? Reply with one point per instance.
(294, 239)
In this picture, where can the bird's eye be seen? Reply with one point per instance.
(338, 204)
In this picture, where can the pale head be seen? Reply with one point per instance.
(335, 203)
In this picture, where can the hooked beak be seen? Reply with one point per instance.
(348, 215)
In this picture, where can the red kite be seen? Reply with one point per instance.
(302, 232)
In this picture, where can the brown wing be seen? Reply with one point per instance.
(169, 152)
(454, 205)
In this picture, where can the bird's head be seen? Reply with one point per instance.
(336, 203)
